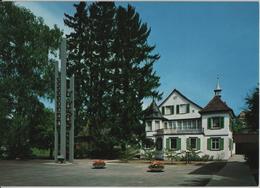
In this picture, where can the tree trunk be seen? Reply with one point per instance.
(51, 153)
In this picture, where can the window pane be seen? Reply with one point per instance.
(170, 125)
(174, 124)
(215, 143)
(185, 125)
(173, 143)
(168, 110)
(183, 108)
(149, 126)
(193, 143)
(216, 122)
(179, 124)
(157, 124)
(165, 125)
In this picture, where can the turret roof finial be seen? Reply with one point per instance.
(218, 88)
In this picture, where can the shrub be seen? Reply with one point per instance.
(149, 154)
(129, 153)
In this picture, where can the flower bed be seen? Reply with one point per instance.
(99, 164)
(156, 166)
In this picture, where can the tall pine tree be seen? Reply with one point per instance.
(109, 52)
(76, 42)
(137, 80)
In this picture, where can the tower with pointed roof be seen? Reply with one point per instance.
(218, 89)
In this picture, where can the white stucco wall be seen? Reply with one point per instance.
(219, 154)
(176, 99)
(223, 131)
(183, 140)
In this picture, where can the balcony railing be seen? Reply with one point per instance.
(177, 131)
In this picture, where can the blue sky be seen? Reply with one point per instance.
(197, 41)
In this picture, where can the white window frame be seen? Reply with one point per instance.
(167, 110)
(173, 138)
(214, 142)
(195, 143)
(149, 126)
(165, 125)
(183, 109)
(219, 123)
(157, 125)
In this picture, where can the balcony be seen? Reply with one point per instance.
(179, 131)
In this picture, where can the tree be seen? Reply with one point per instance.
(109, 49)
(77, 65)
(134, 78)
(26, 71)
(252, 110)
(92, 36)
(43, 130)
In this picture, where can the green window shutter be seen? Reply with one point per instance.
(167, 143)
(198, 143)
(209, 144)
(188, 108)
(163, 110)
(177, 109)
(188, 143)
(221, 143)
(209, 123)
(178, 143)
(172, 109)
(222, 122)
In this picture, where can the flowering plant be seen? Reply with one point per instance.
(156, 164)
(99, 164)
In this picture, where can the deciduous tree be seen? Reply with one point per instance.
(26, 71)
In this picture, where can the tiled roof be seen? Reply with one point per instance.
(153, 112)
(216, 105)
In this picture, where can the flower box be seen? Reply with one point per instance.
(99, 164)
(156, 166)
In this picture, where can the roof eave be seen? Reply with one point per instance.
(175, 90)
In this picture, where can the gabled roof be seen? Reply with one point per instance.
(153, 112)
(216, 105)
(175, 90)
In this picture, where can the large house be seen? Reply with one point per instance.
(180, 124)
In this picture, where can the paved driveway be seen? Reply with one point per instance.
(45, 173)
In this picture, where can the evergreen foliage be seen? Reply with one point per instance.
(113, 63)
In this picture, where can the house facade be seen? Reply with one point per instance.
(179, 124)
